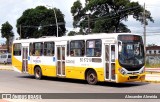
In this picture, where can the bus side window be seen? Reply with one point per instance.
(77, 48)
(93, 48)
(17, 49)
(72, 53)
(113, 53)
(49, 48)
(30, 49)
(38, 49)
(68, 48)
(41, 52)
(82, 51)
(37, 53)
(53, 52)
(98, 54)
(33, 51)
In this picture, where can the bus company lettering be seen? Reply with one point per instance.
(70, 61)
(85, 59)
(37, 60)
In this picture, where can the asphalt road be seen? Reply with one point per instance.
(13, 82)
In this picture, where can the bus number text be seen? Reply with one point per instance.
(85, 60)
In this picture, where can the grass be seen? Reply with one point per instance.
(152, 65)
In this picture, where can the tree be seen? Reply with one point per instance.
(72, 33)
(107, 15)
(40, 22)
(7, 33)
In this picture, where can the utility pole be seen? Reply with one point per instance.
(144, 22)
(55, 18)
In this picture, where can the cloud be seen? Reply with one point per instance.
(152, 6)
(11, 10)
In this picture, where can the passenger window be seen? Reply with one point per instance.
(94, 48)
(30, 49)
(17, 49)
(49, 48)
(67, 48)
(77, 48)
(37, 49)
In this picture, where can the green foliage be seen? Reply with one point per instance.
(107, 15)
(77, 12)
(72, 33)
(41, 21)
(7, 33)
(152, 65)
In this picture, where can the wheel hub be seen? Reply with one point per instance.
(92, 77)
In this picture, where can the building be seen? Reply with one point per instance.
(153, 50)
(153, 54)
(3, 49)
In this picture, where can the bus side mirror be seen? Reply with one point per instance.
(119, 46)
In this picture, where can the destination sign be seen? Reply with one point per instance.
(129, 38)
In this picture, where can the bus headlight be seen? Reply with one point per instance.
(122, 71)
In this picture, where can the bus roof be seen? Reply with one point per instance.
(76, 37)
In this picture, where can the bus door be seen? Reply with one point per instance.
(109, 62)
(60, 64)
(25, 59)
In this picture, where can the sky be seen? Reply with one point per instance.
(11, 10)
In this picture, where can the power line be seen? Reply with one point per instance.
(32, 26)
(148, 33)
(111, 15)
(151, 6)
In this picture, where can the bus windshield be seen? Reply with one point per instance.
(131, 51)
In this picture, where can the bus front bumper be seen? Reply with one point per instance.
(130, 78)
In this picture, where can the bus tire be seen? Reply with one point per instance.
(91, 77)
(38, 73)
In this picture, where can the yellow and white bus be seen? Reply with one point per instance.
(115, 57)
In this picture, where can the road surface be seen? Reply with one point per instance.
(13, 82)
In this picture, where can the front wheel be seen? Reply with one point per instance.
(91, 77)
(38, 73)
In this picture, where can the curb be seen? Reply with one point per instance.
(1, 100)
(6, 69)
(152, 81)
(158, 68)
(10, 68)
(155, 78)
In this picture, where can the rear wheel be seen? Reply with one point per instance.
(38, 73)
(92, 77)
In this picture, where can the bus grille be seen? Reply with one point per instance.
(133, 77)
